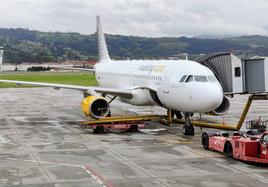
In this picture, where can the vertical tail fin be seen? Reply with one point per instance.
(1, 58)
(102, 47)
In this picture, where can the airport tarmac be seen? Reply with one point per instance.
(40, 147)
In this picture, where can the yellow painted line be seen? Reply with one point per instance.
(120, 119)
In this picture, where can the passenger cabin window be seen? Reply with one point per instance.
(189, 78)
(237, 72)
(200, 78)
(183, 78)
(212, 78)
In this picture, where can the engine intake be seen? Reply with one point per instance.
(222, 109)
(96, 107)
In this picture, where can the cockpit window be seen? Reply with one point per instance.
(200, 78)
(212, 78)
(183, 78)
(189, 78)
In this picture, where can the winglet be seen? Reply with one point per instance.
(1, 58)
(102, 47)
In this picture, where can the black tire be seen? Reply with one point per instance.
(188, 130)
(249, 132)
(185, 130)
(178, 115)
(205, 141)
(99, 130)
(191, 130)
(228, 150)
(133, 128)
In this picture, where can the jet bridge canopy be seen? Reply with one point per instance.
(228, 69)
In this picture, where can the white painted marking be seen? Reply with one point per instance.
(151, 131)
(94, 177)
(12, 159)
(53, 163)
(4, 140)
(64, 164)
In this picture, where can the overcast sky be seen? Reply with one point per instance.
(139, 17)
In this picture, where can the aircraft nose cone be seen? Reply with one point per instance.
(215, 96)
(209, 98)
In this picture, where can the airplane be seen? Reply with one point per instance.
(181, 86)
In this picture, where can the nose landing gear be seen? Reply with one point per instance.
(188, 129)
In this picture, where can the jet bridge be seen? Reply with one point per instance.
(228, 69)
(238, 76)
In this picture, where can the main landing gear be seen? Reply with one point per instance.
(188, 129)
(177, 114)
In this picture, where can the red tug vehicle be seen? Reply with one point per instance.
(250, 148)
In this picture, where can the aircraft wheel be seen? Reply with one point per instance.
(205, 140)
(178, 115)
(191, 130)
(188, 130)
(185, 130)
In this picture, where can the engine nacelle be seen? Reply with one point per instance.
(96, 107)
(222, 109)
(143, 97)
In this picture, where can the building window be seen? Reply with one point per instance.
(237, 72)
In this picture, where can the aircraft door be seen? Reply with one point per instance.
(166, 82)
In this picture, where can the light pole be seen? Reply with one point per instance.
(1, 58)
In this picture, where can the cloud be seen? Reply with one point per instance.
(138, 17)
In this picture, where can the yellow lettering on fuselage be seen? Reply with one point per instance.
(153, 68)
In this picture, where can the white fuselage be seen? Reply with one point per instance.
(158, 82)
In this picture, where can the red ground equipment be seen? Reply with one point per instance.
(130, 127)
(251, 148)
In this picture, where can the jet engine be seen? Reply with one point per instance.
(96, 107)
(222, 109)
(143, 97)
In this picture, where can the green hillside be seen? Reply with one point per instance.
(22, 45)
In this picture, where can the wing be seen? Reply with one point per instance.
(124, 93)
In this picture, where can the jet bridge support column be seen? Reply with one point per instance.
(169, 117)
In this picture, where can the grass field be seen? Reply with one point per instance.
(84, 79)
